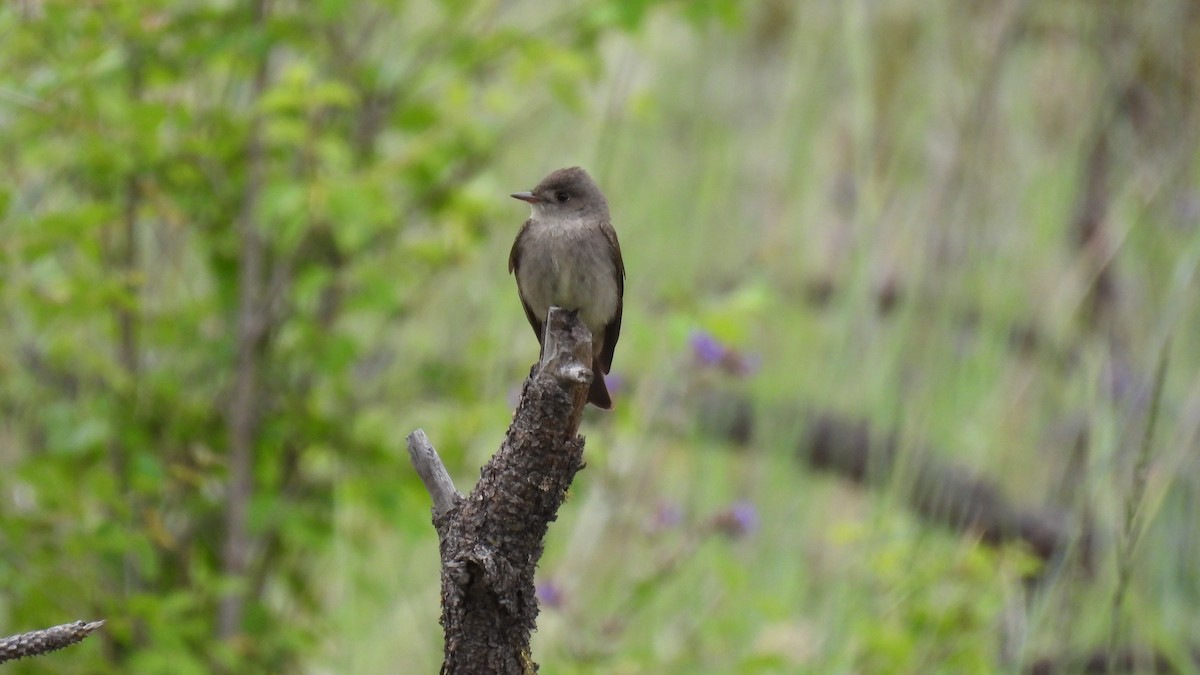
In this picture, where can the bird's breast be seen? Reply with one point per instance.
(569, 265)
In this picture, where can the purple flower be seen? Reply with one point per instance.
(707, 350)
(739, 520)
(550, 595)
(666, 517)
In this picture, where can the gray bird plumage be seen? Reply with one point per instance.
(567, 255)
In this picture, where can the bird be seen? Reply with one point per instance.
(567, 255)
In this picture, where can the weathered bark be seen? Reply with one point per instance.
(491, 540)
(46, 640)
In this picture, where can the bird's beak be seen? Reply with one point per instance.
(526, 197)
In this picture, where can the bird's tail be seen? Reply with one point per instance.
(598, 393)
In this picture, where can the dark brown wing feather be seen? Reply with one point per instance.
(613, 330)
(598, 391)
(514, 263)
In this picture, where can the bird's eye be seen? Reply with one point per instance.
(561, 196)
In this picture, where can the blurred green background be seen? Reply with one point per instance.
(246, 247)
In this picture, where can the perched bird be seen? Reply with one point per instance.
(567, 255)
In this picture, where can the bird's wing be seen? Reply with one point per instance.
(514, 264)
(613, 330)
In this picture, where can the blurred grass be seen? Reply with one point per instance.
(934, 146)
(875, 204)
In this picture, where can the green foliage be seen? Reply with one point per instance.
(939, 616)
(775, 169)
(145, 146)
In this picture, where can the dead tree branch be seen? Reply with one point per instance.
(937, 491)
(46, 640)
(491, 540)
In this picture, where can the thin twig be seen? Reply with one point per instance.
(37, 642)
(433, 473)
(244, 411)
